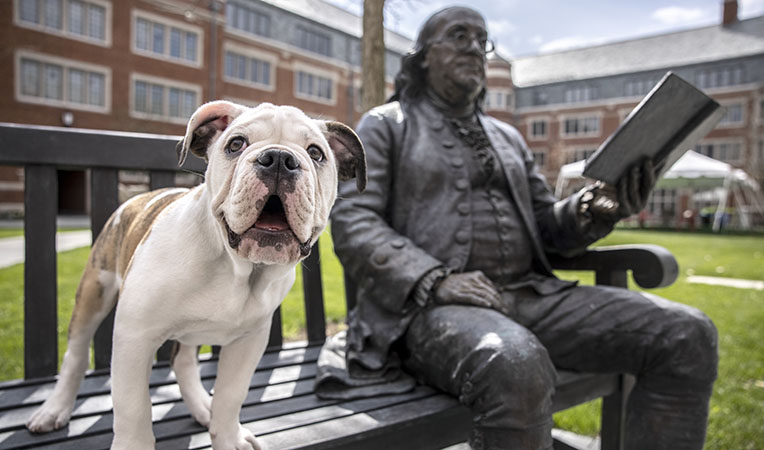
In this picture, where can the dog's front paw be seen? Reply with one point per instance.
(48, 417)
(242, 439)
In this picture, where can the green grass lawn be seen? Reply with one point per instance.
(738, 401)
(11, 232)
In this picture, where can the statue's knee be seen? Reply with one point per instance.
(513, 380)
(693, 347)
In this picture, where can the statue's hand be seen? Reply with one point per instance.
(611, 203)
(470, 288)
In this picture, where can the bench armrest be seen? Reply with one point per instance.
(652, 266)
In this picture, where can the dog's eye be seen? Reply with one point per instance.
(236, 144)
(315, 153)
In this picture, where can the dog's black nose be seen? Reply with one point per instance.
(274, 158)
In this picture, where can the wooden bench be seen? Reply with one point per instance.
(281, 408)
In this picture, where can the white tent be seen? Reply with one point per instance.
(698, 172)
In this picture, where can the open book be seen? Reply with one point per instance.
(667, 122)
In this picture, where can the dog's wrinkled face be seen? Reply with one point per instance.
(272, 175)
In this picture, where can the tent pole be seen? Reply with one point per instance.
(722, 204)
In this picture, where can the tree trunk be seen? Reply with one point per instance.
(373, 55)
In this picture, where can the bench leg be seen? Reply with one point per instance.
(614, 415)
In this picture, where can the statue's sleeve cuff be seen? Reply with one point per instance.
(424, 291)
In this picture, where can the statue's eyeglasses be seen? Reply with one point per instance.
(462, 41)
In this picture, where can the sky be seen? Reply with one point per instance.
(529, 27)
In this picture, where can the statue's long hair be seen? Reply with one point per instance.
(411, 81)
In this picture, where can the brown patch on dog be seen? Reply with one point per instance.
(111, 254)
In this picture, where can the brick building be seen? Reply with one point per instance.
(144, 65)
(567, 103)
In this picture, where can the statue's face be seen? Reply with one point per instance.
(455, 58)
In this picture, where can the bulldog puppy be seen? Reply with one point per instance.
(207, 265)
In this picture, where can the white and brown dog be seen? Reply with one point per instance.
(206, 266)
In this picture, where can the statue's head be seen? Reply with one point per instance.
(449, 57)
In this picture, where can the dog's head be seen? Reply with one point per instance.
(272, 174)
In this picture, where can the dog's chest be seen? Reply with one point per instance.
(228, 308)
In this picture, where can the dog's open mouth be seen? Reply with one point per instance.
(272, 220)
(273, 216)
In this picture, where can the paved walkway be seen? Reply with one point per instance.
(12, 249)
(727, 282)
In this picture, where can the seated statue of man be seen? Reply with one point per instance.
(447, 247)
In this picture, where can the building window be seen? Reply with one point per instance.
(58, 82)
(641, 87)
(662, 204)
(539, 128)
(733, 116)
(719, 77)
(314, 87)
(580, 94)
(246, 69)
(161, 38)
(581, 126)
(498, 100)
(246, 19)
(165, 100)
(727, 151)
(314, 41)
(86, 20)
(577, 154)
(539, 156)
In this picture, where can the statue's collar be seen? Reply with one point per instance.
(434, 101)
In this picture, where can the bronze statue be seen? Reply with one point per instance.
(447, 247)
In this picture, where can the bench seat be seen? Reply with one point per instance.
(281, 409)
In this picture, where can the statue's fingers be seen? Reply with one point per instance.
(648, 180)
(624, 205)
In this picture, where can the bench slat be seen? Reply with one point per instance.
(106, 183)
(373, 429)
(40, 289)
(101, 403)
(313, 297)
(97, 382)
(265, 424)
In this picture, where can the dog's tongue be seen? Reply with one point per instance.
(272, 221)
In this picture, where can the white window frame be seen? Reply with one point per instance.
(718, 142)
(576, 150)
(251, 53)
(503, 105)
(250, 34)
(582, 116)
(168, 23)
(703, 76)
(65, 64)
(541, 151)
(742, 103)
(106, 42)
(167, 84)
(315, 37)
(298, 67)
(534, 119)
(581, 94)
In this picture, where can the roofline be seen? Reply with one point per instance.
(331, 5)
(639, 38)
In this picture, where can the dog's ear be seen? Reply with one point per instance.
(348, 152)
(205, 124)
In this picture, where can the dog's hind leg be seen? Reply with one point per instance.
(95, 298)
(195, 396)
